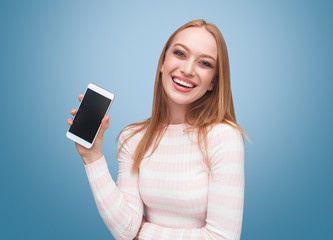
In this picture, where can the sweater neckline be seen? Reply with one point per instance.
(180, 126)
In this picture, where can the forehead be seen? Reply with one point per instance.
(197, 39)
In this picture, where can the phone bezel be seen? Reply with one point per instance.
(104, 93)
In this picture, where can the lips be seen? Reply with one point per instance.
(183, 84)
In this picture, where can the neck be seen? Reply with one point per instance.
(177, 113)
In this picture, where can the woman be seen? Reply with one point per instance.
(184, 166)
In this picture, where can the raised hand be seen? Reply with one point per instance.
(95, 152)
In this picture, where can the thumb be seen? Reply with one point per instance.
(104, 125)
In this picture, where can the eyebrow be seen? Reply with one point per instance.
(187, 49)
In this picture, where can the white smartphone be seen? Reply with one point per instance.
(94, 106)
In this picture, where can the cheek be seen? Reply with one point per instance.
(170, 63)
(207, 77)
(164, 78)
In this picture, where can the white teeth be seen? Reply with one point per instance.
(185, 84)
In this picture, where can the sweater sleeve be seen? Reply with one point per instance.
(225, 192)
(119, 204)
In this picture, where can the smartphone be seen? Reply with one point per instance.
(93, 108)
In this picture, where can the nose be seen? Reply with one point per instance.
(188, 68)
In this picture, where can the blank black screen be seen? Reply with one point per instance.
(89, 116)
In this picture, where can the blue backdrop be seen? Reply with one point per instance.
(281, 70)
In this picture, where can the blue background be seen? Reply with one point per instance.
(281, 71)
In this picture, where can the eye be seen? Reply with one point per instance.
(207, 64)
(179, 53)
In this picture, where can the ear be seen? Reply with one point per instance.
(162, 67)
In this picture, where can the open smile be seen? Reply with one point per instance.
(183, 84)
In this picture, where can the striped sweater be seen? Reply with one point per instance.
(181, 198)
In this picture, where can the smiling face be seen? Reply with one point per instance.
(189, 66)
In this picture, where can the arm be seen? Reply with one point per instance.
(225, 192)
(119, 205)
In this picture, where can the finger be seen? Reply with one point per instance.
(105, 125)
(80, 97)
(70, 121)
(73, 111)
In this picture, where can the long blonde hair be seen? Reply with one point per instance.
(214, 107)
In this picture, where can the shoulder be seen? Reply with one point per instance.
(131, 132)
(225, 145)
(128, 140)
(224, 138)
(224, 131)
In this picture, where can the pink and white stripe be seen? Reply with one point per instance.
(180, 197)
